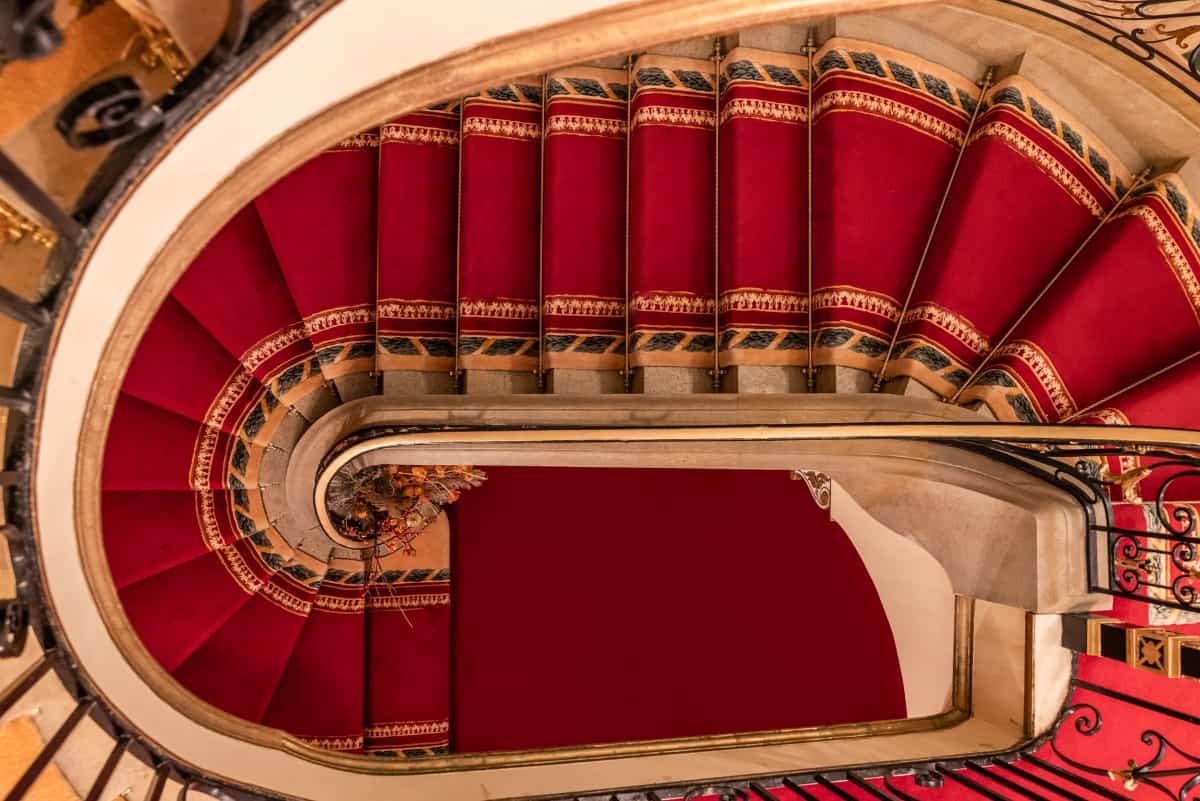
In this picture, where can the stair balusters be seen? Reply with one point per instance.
(49, 751)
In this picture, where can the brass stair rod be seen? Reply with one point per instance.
(1138, 180)
(1146, 379)
(984, 84)
(810, 372)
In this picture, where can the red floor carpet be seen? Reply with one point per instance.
(601, 605)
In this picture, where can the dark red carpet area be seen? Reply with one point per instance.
(603, 605)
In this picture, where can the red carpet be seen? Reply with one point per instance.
(418, 239)
(625, 610)
(498, 267)
(672, 185)
(583, 240)
(1136, 283)
(591, 605)
(321, 222)
(764, 208)
(1032, 183)
(886, 129)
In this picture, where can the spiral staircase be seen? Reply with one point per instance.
(782, 210)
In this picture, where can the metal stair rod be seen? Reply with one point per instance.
(984, 84)
(49, 751)
(1138, 180)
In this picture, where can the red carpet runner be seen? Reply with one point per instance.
(1032, 184)
(498, 278)
(584, 224)
(418, 239)
(321, 222)
(764, 208)
(887, 127)
(1134, 306)
(671, 212)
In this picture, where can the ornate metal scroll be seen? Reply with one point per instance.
(1168, 768)
(1162, 34)
(115, 110)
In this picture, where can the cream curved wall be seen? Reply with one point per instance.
(917, 598)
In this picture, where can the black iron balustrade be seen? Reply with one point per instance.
(1156, 562)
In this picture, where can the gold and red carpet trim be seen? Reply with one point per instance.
(852, 298)
(887, 108)
(898, 70)
(1073, 136)
(579, 125)
(360, 141)
(1047, 162)
(499, 309)
(672, 303)
(417, 134)
(953, 324)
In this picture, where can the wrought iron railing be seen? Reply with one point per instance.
(1058, 766)
(1141, 550)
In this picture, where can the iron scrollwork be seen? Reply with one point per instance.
(1154, 561)
(1087, 721)
(27, 30)
(1162, 559)
(115, 110)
